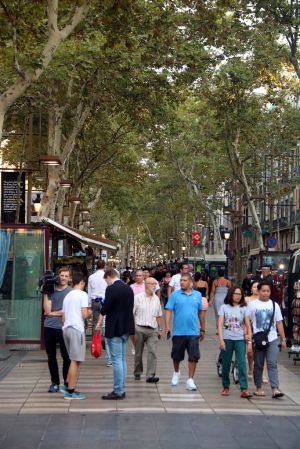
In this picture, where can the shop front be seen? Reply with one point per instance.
(26, 252)
(22, 260)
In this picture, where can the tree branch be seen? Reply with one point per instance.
(7, 13)
(52, 13)
(15, 56)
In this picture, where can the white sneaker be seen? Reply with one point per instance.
(190, 385)
(175, 379)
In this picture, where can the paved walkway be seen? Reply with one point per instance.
(24, 389)
(152, 416)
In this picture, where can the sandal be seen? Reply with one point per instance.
(245, 394)
(277, 394)
(259, 393)
(225, 392)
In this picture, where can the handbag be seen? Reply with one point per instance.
(96, 346)
(260, 339)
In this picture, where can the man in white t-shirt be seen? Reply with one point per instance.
(96, 290)
(75, 311)
(174, 283)
(260, 313)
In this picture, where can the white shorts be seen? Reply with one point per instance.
(75, 344)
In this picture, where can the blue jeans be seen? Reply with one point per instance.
(107, 352)
(117, 348)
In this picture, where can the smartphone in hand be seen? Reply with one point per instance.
(168, 335)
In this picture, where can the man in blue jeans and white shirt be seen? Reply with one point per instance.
(186, 305)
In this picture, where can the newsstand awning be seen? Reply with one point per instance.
(83, 237)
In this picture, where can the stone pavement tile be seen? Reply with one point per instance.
(136, 420)
(22, 439)
(245, 427)
(172, 421)
(218, 441)
(109, 421)
(139, 434)
(66, 423)
(282, 431)
(51, 444)
(98, 444)
(212, 432)
(61, 437)
(137, 426)
(175, 428)
(179, 445)
(137, 445)
(257, 443)
(295, 420)
(39, 421)
(102, 433)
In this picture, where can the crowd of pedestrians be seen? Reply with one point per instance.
(132, 305)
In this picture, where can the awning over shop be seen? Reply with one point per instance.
(83, 237)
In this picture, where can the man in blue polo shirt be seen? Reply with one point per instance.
(186, 305)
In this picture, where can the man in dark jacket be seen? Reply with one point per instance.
(246, 284)
(119, 324)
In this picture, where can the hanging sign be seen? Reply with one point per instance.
(11, 195)
(196, 238)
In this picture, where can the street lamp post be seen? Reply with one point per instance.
(183, 250)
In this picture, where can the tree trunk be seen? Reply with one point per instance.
(54, 142)
(218, 247)
(61, 195)
(93, 203)
(255, 219)
(73, 208)
(49, 199)
(237, 166)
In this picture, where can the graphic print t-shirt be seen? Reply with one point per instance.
(260, 313)
(233, 326)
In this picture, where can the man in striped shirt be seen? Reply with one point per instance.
(147, 316)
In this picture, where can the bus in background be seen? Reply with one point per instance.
(211, 264)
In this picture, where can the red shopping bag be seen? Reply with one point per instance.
(96, 346)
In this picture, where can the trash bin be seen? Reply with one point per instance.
(4, 352)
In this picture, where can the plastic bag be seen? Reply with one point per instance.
(96, 346)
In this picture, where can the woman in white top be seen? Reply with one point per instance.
(260, 313)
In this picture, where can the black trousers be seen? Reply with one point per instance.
(52, 337)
